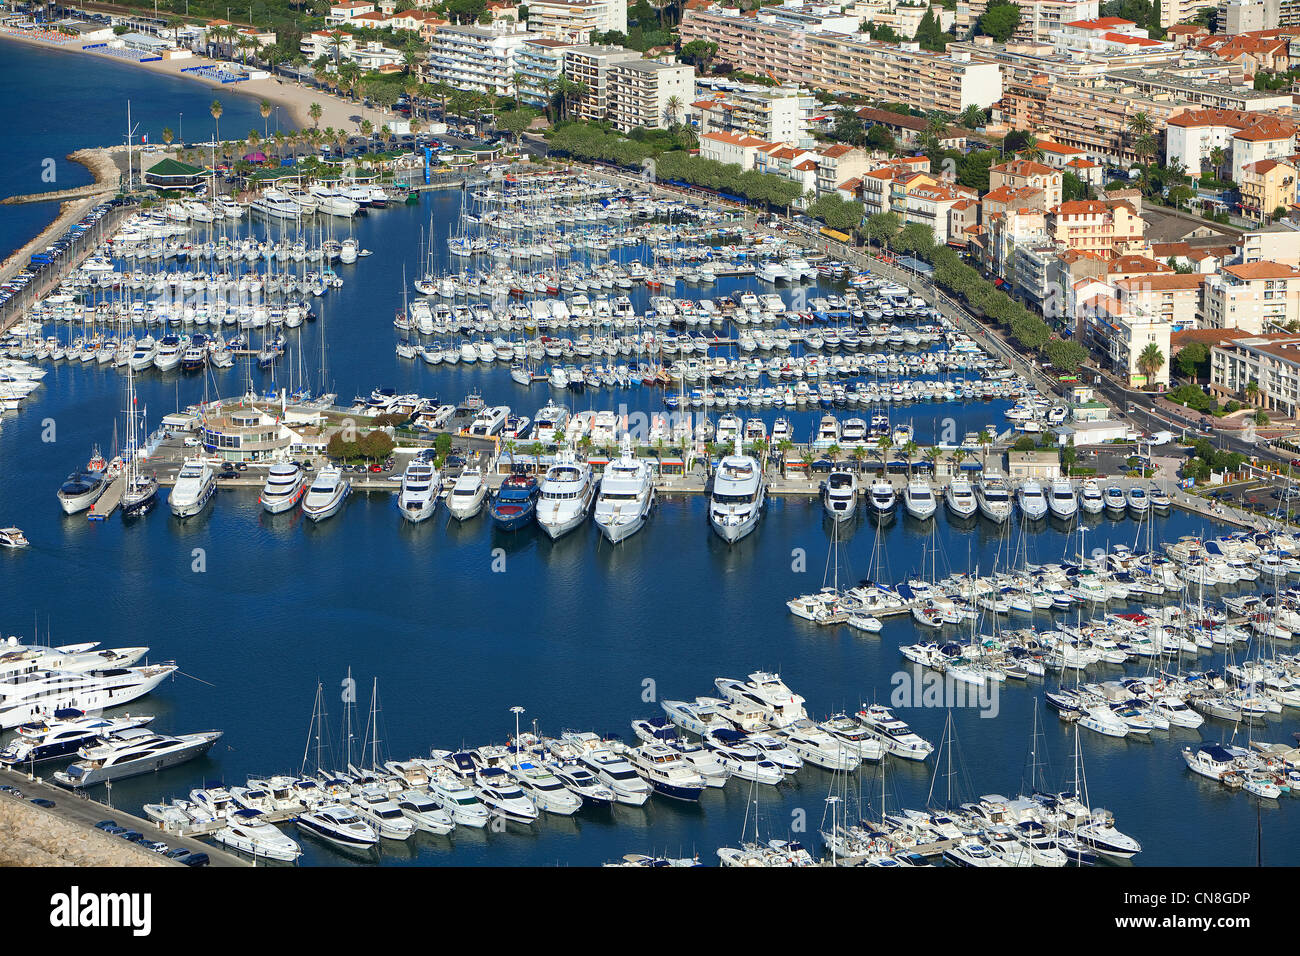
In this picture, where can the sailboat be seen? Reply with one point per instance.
(139, 491)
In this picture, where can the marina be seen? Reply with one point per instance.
(699, 525)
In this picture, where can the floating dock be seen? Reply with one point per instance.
(108, 501)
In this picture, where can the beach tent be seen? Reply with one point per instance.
(257, 157)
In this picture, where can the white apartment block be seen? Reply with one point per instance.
(1255, 297)
(1271, 362)
(591, 66)
(779, 114)
(649, 93)
(539, 63)
(476, 58)
(575, 21)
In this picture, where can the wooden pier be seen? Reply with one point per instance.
(108, 502)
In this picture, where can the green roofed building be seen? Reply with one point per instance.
(171, 174)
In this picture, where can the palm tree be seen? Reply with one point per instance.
(1151, 360)
(216, 109)
(932, 455)
(673, 109)
(264, 108)
(908, 451)
(833, 452)
(314, 111)
(535, 449)
(1139, 124)
(167, 135)
(1217, 158)
(884, 443)
(1032, 149)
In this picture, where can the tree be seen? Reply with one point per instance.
(930, 35)
(699, 53)
(999, 21)
(838, 213)
(167, 135)
(882, 227)
(972, 117)
(264, 108)
(881, 139)
(315, 111)
(673, 110)
(216, 109)
(515, 122)
(1150, 361)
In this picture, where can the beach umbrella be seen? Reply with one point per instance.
(258, 157)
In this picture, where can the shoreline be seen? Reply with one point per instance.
(293, 99)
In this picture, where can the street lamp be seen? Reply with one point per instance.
(516, 710)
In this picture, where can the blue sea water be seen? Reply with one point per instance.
(257, 609)
(63, 100)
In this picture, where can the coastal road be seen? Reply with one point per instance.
(86, 812)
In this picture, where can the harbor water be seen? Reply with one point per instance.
(459, 622)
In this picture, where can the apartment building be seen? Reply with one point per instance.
(838, 163)
(1106, 37)
(591, 66)
(539, 63)
(1279, 242)
(1270, 138)
(1266, 186)
(1040, 19)
(649, 93)
(735, 149)
(1255, 297)
(476, 58)
(876, 187)
(347, 10)
(931, 204)
(1019, 173)
(1107, 227)
(423, 22)
(1170, 297)
(902, 73)
(1123, 337)
(1272, 362)
(575, 20)
(823, 52)
(778, 114)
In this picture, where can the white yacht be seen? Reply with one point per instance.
(502, 796)
(1061, 499)
(276, 204)
(883, 497)
(895, 734)
(467, 494)
(29, 696)
(169, 353)
(284, 488)
(340, 826)
(627, 493)
(840, 494)
(667, 771)
(1139, 502)
(1033, 503)
(196, 483)
(248, 832)
(739, 493)
(63, 735)
(960, 497)
(423, 811)
(566, 495)
(133, 752)
(418, 496)
(1091, 499)
(1115, 500)
(81, 490)
(780, 705)
(373, 805)
(455, 798)
(544, 788)
(994, 499)
(616, 773)
(329, 489)
(918, 499)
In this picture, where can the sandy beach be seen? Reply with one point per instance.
(294, 99)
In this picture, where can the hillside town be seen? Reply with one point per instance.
(1121, 176)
